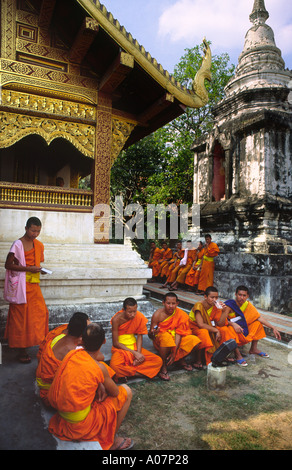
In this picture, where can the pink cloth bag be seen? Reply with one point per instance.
(15, 281)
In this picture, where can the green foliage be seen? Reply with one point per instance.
(159, 169)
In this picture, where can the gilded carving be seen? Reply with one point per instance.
(14, 127)
(121, 131)
(42, 104)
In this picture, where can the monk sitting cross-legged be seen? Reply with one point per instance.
(171, 334)
(56, 349)
(83, 414)
(129, 358)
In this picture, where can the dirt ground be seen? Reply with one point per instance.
(252, 412)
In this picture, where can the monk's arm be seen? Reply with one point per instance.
(154, 324)
(172, 354)
(12, 264)
(268, 324)
(111, 388)
(201, 324)
(139, 343)
(223, 317)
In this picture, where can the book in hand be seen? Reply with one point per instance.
(46, 271)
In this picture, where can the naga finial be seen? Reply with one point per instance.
(203, 74)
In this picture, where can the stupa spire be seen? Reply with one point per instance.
(259, 13)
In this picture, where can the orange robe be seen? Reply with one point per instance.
(255, 328)
(122, 361)
(157, 255)
(177, 323)
(211, 317)
(183, 271)
(47, 368)
(51, 335)
(207, 270)
(80, 417)
(172, 272)
(208, 339)
(193, 275)
(27, 324)
(166, 257)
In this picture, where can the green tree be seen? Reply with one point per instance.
(133, 168)
(175, 183)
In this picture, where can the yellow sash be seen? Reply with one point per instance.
(172, 332)
(192, 315)
(41, 384)
(56, 339)
(208, 258)
(244, 306)
(75, 416)
(32, 278)
(128, 340)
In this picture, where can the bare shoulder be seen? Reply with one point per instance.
(159, 314)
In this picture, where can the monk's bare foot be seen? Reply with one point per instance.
(185, 366)
(122, 443)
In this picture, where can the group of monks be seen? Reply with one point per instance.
(84, 390)
(191, 268)
(91, 397)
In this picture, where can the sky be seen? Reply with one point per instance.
(167, 27)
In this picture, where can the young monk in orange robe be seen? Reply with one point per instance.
(82, 414)
(206, 278)
(175, 266)
(163, 262)
(27, 321)
(212, 320)
(155, 255)
(129, 358)
(192, 277)
(50, 336)
(56, 349)
(171, 334)
(251, 329)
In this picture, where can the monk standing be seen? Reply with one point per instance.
(129, 358)
(27, 321)
(171, 334)
(83, 415)
(206, 278)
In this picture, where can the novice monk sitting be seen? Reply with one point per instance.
(212, 320)
(171, 334)
(129, 358)
(247, 321)
(56, 349)
(84, 415)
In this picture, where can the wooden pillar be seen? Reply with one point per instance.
(102, 169)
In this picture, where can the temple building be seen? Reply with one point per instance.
(243, 177)
(76, 89)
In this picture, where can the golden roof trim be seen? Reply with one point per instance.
(195, 98)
